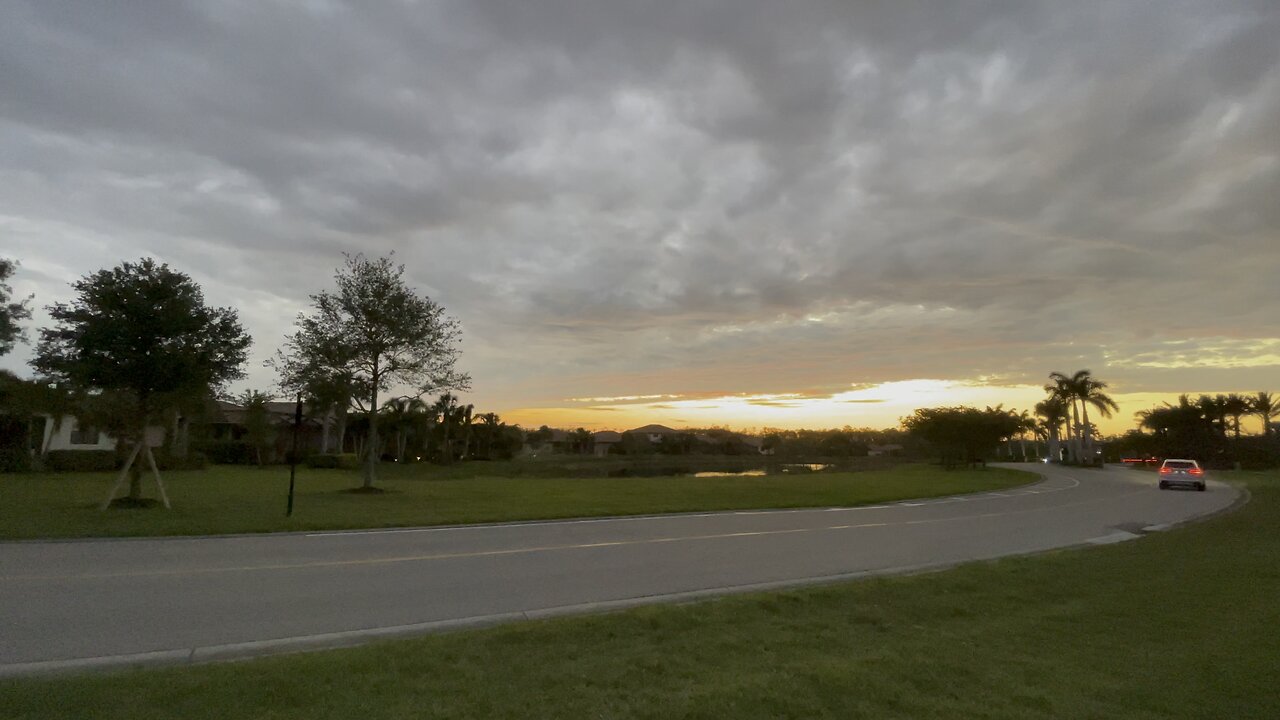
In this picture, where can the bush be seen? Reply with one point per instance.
(14, 459)
(192, 461)
(230, 452)
(333, 461)
(81, 460)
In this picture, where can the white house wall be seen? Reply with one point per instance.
(60, 438)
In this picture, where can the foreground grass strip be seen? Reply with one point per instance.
(1176, 625)
(229, 499)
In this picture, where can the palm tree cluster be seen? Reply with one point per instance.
(1209, 428)
(445, 431)
(1070, 397)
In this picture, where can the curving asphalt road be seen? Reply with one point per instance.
(79, 605)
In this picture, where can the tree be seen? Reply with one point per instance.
(1264, 406)
(1235, 407)
(142, 332)
(374, 331)
(403, 416)
(260, 433)
(1062, 388)
(11, 313)
(1082, 387)
(962, 434)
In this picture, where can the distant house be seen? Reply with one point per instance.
(653, 433)
(604, 441)
(890, 450)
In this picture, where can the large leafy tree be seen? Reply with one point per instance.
(142, 334)
(11, 313)
(373, 331)
(963, 434)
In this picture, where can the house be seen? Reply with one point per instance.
(890, 449)
(72, 433)
(653, 433)
(604, 441)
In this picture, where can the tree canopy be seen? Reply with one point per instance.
(371, 333)
(11, 313)
(963, 434)
(143, 329)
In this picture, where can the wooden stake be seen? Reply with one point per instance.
(124, 472)
(155, 470)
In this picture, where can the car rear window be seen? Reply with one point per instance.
(1180, 464)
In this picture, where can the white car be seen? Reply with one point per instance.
(1181, 472)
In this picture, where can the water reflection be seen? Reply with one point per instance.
(772, 470)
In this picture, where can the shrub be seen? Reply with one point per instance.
(14, 459)
(192, 461)
(81, 460)
(230, 452)
(333, 461)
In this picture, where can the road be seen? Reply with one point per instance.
(90, 604)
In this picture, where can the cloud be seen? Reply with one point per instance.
(679, 199)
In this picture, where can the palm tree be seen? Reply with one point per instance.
(464, 423)
(1264, 406)
(402, 415)
(1235, 407)
(1052, 413)
(1082, 387)
(450, 413)
(1064, 388)
(1091, 393)
(490, 421)
(1214, 410)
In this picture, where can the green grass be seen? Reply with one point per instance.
(1176, 625)
(229, 499)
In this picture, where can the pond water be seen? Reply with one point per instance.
(774, 470)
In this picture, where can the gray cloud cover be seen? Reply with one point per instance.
(684, 197)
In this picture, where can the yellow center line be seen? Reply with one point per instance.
(535, 549)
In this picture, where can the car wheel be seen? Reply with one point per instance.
(1164, 485)
(1200, 487)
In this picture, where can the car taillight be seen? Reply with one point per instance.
(1165, 471)
(1196, 471)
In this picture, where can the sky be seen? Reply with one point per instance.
(742, 213)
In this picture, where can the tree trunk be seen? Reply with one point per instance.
(399, 444)
(1088, 435)
(371, 462)
(342, 431)
(326, 424)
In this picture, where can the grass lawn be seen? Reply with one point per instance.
(229, 499)
(1176, 625)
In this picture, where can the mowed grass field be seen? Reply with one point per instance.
(1181, 624)
(231, 499)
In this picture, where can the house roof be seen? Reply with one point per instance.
(606, 436)
(655, 430)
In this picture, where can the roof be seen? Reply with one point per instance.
(606, 436)
(655, 430)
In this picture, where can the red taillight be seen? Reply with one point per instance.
(1165, 471)
(1196, 471)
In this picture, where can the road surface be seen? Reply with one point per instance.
(89, 604)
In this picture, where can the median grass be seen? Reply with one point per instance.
(1176, 625)
(229, 499)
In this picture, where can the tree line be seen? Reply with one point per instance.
(137, 345)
